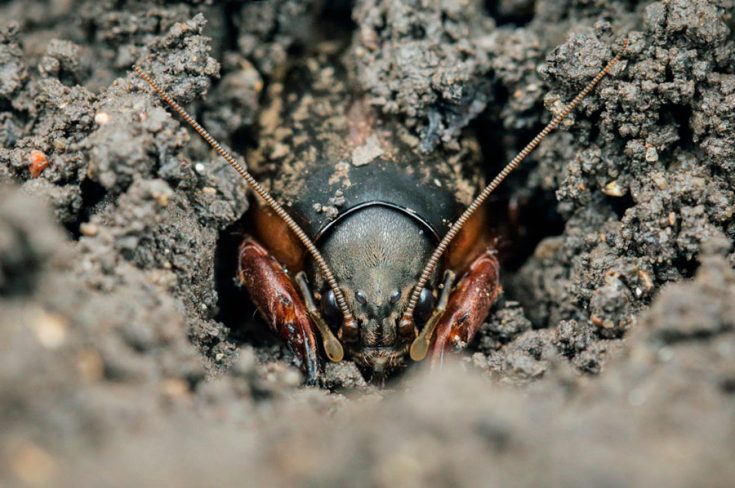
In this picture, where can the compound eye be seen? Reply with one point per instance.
(424, 306)
(394, 297)
(329, 308)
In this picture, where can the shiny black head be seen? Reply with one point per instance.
(377, 255)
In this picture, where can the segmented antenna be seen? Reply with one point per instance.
(407, 318)
(349, 321)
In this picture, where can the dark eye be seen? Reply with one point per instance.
(330, 309)
(394, 297)
(424, 306)
(360, 297)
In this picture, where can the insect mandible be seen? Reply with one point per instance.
(378, 258)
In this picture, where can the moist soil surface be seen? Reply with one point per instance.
(130, 357)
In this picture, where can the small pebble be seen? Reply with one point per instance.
(651, 154)
(88, 230)
(50, 330)
(101, 118)
(38, 163)
(33, 466)
(613, 189)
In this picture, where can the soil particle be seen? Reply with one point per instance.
(364, 154)
(504, 325)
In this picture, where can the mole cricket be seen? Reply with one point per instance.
(384, 253)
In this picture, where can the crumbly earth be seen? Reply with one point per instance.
(128, 356)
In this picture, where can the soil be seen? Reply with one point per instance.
(128, 356)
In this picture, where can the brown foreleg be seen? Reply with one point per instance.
(468, 305)
(280, 304)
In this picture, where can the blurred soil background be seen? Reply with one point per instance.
(129, 357)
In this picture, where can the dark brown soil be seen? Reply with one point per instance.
(129, 357)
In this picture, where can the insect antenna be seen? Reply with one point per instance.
(349, 322)
(407, 318)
